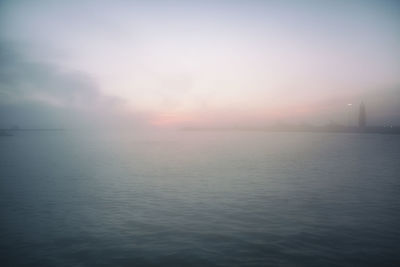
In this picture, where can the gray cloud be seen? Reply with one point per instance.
(36, 94)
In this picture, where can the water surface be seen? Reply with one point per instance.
(199, 199)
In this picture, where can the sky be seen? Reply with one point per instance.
(198, 63)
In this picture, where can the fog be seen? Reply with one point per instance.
(182, 63)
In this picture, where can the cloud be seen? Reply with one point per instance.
(38, 88)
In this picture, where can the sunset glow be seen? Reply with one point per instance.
(256, 62)
(157, 133)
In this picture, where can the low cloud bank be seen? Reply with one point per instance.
(40, 94)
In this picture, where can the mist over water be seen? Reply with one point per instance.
(199, 199)
(288, 150)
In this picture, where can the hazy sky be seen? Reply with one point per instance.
(177, 63)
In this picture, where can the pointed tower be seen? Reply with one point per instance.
(362, 117)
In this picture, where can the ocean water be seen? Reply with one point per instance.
(199, 199)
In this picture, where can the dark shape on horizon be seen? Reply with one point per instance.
(4, 133)
(362, 118)
(332, 127)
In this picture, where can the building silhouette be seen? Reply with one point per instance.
(362, 117)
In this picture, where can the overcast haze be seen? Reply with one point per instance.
(188, 63)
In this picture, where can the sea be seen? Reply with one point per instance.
(199, 198)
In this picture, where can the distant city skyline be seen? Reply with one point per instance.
(362, 116)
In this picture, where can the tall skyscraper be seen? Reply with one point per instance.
(362, 117)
